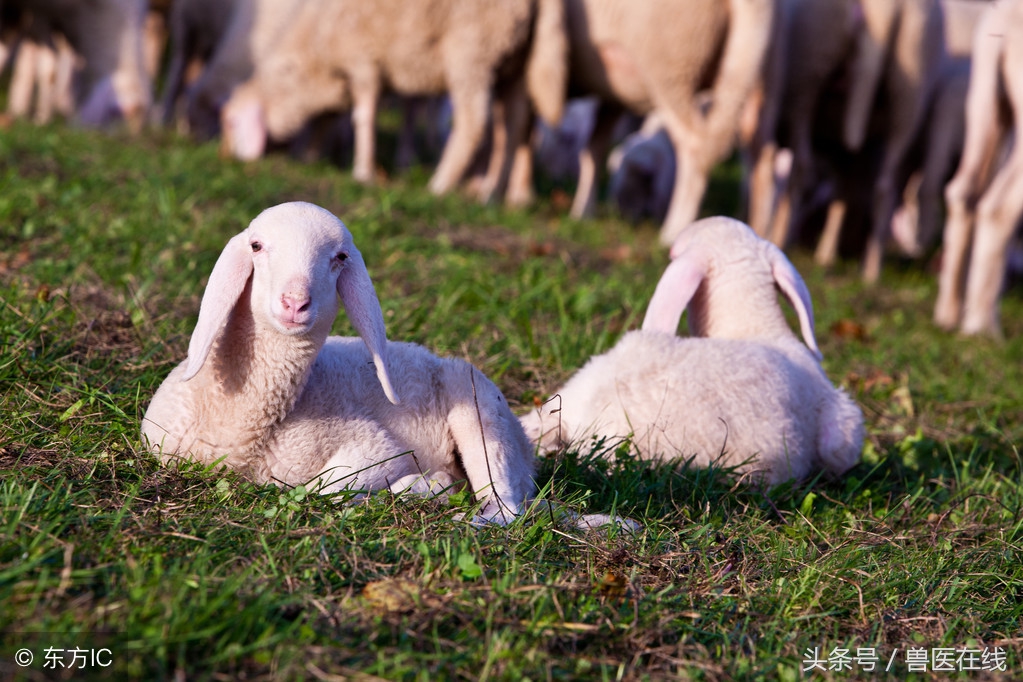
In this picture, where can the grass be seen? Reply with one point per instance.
(105, 244)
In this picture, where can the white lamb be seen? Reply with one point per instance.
(265, 390)
(743, 392)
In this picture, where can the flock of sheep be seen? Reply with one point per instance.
(862, 107)
(866, 110)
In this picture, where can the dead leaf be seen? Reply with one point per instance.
(617, 254)
(392, 594)
(561, 200)
(613, 585)
(541, 249)
(903, 400)
(872, 380)
(849, 329)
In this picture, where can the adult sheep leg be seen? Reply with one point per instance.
(46, 96)
(593, 158)
(691, 176)
(984, 131)
(997, 216)
(470, 107)
(510, 123)
(366, 96)
(886, 196)
(916, 56)
(944, 143)
(520, 180)
(23, 79)
(826, 252)
(802, 173)
(1001, 207)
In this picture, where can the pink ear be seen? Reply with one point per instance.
(360, 300)
(794, 288)
(227, 282)
(678, 284)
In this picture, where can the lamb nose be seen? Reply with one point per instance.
(295, 304)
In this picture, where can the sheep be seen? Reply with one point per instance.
(557, 148)
(934, 154)
(465, 47)
(894, 46)
(660, 55)
(41, 77)
(108, 36)
(936, 151)
(249, 34)
(154, 36)
(961, 19)
(985, 204)
(742, 392)
(811, 39)
(196, 28)
(901, 46)
(265, 391)
(643, 172)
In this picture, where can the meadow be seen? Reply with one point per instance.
(912, 562)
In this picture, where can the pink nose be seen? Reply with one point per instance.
(295, 306)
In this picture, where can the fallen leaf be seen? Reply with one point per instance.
(391, 594)
(904, 401)
(873, 380)
(848, 329)
(541, 249)
(617, 254)
(613, 585)
(561, 200)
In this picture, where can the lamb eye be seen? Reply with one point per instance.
(256, 247)
(341, 256)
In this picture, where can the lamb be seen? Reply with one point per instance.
(266, 392)
(743, 392)
(661, 55)
(466, 48)
(985, 205)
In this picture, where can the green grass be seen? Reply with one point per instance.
(105, 245)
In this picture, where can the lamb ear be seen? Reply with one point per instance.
(227, 282)
(360, 300)
(678, 284)
(792, 285)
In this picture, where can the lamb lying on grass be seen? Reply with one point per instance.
(743, 392)
(267, 392)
